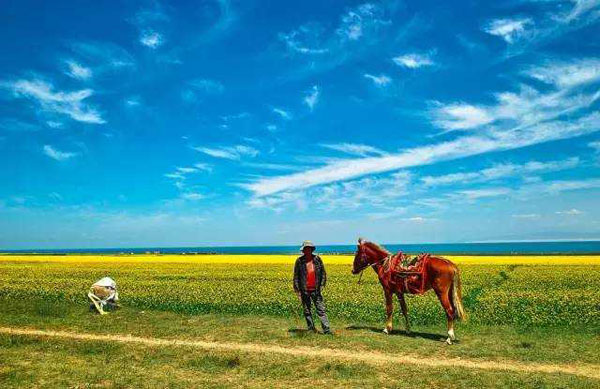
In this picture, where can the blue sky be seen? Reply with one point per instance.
(250, 123)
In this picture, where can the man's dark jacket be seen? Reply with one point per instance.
(300, 274)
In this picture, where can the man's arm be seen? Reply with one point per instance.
(324, 280)
(297, 276)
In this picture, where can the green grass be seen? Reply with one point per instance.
(44, 362)
(534, 295)
(518, 312)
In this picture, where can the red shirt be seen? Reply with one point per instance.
(311, 281)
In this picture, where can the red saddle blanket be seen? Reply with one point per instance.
(409, 272)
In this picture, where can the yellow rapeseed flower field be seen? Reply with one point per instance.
(289, 259)
(524, 290)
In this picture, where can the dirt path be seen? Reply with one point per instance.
(583, 370)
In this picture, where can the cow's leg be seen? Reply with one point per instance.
(389, 311)
(404, 310)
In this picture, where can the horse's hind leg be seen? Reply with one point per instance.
(404, 310)
(444, 297)
(389, 311)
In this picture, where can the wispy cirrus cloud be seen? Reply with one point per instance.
(501, 171)
(201, 87)
(526, 216)
(372, 191)
(354, 149)
(272, 166)
(72, 104)
(381, 81)
(566, 74)
(149, 22)
(570, 212)
(493, 139)
(528, 106)
(476, 194)
(509, 29)
(311, 98)
(413, 60)
(56, 154)
(581, 7)
(102, 57)
(230, 152)
(365, 19)
(282, 113)
(459, 116)
(151, 39)
(360, 23)
(77, 70)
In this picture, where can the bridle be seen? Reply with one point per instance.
(364, 259)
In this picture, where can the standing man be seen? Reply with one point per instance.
(309, 278)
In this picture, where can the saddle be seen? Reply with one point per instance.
(409, 272)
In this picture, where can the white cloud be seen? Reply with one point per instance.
(271, 166)
(312, 97)
(283, 113)
(203, 167)
(570, 212)
(78, 71)
(508, 29)
(528, 106)
(581, 7)
(355, 149)
(304, 40)
(413, 60)
(54, 124)
(361, 20)
(133, 101)
(362, 23)
(207, 85)
(151, 39)
(526, 216)
(233, 152)
(475, 194)
(595, 145)
(501, 171)
(67, 103)
(493, 140)
(369, 191)
(381, 80)
(460, 116)
(192, 196)
(57, 154)
(103, 56)
(567, 74)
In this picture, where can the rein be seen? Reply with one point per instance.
(371, 265)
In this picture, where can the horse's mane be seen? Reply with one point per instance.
(377, 246)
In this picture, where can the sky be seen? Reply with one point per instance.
(211, 123)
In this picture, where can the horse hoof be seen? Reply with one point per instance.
(385, 331)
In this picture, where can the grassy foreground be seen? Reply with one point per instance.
(552, 305)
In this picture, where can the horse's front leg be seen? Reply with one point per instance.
(389, 311)
(404, 310)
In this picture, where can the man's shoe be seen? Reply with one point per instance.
(327, 332)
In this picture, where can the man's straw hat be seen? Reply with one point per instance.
(307, 243)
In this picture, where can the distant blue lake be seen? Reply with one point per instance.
(504, 248)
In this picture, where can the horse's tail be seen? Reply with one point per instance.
(456, 297)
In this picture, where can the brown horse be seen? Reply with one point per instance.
(438, 274)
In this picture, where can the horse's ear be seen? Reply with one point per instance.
(360, 240)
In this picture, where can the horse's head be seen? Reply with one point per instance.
(367, 254)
